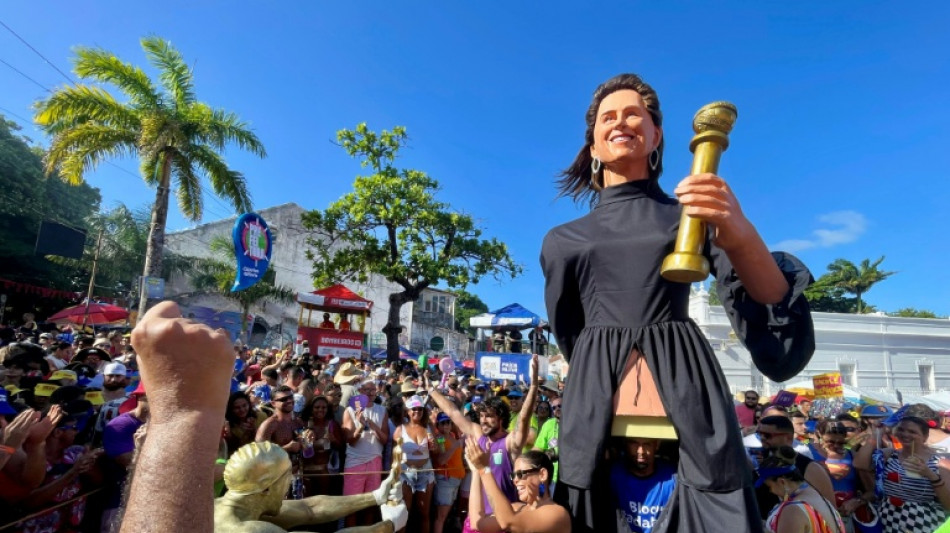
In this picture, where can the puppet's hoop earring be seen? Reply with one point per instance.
(654, 159)
(595, 166)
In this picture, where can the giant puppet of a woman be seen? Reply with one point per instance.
(612, 313)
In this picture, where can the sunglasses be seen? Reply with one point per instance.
(417, 409)
(285, 399)
(765, 435)
(521, 474)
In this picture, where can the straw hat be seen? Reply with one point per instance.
(348, 373)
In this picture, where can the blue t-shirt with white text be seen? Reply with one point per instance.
(642, 499)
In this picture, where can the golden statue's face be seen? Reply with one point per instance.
(624, 130)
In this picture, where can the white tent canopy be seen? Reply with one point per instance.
(889, 398)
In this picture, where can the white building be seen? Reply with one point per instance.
(433, 317)
(293, 270)
(875, 353)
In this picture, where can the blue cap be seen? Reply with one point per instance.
(876, 411)
(769, 473)
(515, 393)
(476, 399)
(442, 418)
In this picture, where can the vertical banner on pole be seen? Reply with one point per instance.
(253, 245)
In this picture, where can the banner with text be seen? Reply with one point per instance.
(510, 366)
(828, 385)
(331, 343)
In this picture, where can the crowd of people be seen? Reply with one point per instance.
(74, 411)
(474, 455)
(854, 468)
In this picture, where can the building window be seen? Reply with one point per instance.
(442, 304)
(428, 306)
(849, 373)
(926, 371)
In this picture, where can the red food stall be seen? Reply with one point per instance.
(327, 342)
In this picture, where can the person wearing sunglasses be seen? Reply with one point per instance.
(493, 418)
(839, 461)
(282, 427)
(534, 511)
(776, 432)
(418, 480)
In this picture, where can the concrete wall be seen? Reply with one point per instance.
(289, 261)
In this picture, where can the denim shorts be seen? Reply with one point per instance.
(446, 489)
(416, 480)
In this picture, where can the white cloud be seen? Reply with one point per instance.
(845, 227)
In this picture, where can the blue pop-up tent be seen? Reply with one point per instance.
(510, 316)
(404, 353)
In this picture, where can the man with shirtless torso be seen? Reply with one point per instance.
(281, 428)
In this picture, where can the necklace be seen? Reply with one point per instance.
(797, 491)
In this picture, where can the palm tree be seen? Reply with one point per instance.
(171, 132)
(856, 280)
(217, 275)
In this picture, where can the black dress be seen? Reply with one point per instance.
(605, 297)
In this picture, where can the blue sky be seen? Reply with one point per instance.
(840, 149)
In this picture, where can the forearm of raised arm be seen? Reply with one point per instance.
(178, 456)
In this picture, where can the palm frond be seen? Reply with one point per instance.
(188, 188)
(70, 106)
(104, 67)
(219, 128)
(225, 183)
(174, 73)
(82, 148)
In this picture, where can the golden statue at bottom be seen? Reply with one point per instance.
(258, 476)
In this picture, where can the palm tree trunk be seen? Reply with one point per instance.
(156, 234)
(245, 337)
(859, 303)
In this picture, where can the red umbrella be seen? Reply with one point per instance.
(469, 363)
(98, 314)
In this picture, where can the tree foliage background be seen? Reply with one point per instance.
(26, 199)
(393, 226)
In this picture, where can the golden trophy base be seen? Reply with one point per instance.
(682, 267)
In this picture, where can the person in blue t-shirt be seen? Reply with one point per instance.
(641, 483)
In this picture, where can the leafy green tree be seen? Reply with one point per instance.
(857, 279)
(217, 274)
(393, 226)
(467, 305)
(910, 312)
(26, 199)
(172, 133)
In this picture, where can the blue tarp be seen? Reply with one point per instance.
(513, 315)
(404, 353)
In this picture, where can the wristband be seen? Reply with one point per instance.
(7, 449)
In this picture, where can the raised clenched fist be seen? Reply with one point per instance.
(186, 366)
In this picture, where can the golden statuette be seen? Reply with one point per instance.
(398, 458)
(712, 124)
